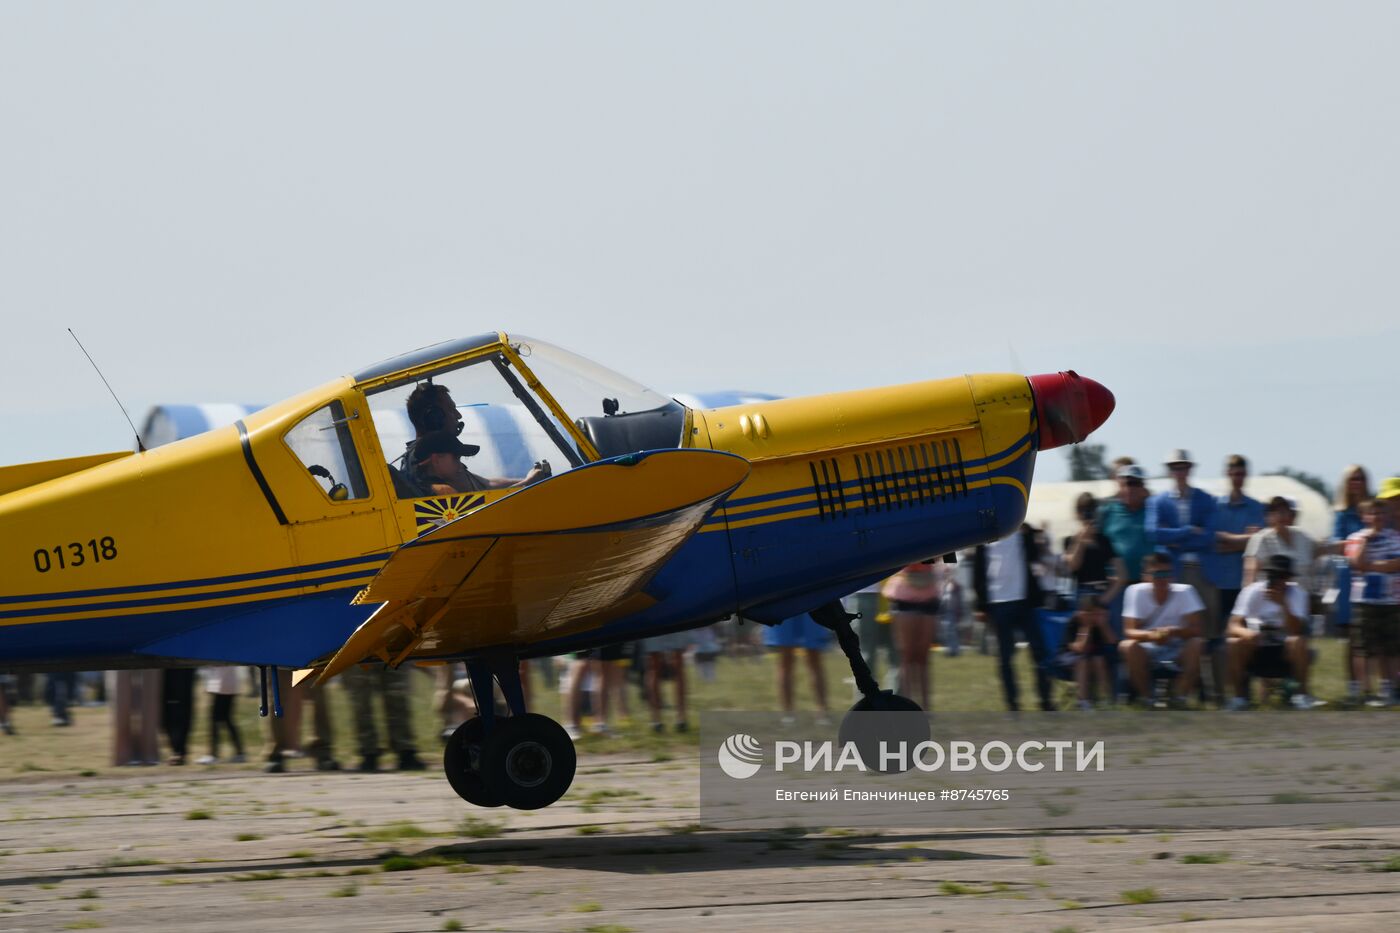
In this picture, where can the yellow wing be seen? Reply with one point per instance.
(565, 555)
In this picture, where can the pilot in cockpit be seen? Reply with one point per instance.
(434, 457)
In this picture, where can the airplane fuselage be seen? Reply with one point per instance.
(216, 548)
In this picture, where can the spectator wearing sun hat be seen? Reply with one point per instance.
(1182, 522)
(1281, 537)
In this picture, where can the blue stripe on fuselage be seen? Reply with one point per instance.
(185, 598)
(190, 584)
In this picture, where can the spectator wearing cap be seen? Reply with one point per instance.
(1007, 591)
(1374, 556)
(1161, 628)
(1389, 494)
(1182, 521)
(1123, 520)
(1268, 633)
(1238, 517)
(1281, 537)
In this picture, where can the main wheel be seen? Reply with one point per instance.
(528, 761)
(886, 718)
(461, 761)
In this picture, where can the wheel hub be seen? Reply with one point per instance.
(528, 764)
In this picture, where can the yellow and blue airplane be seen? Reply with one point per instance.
(360, 523)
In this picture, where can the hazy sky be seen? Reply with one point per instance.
(1195, 203)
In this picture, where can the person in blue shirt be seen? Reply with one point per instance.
(1354, 489)
(1181, 521)
(1236, 518)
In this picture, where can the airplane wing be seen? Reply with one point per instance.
(563, 555)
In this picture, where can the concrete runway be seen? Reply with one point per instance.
(232, 850)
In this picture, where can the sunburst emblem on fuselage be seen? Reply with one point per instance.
(438, 511)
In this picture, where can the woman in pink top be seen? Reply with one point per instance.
(913, 594)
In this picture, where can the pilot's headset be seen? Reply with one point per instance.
(434, 418)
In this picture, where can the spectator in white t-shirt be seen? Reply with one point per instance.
(1162, 627)
(1268, 632)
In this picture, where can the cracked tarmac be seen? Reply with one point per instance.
(210, 850)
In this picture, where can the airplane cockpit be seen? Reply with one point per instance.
(519, 408)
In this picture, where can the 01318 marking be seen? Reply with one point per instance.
(75, 554)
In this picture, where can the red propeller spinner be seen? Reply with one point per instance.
(1069, 407)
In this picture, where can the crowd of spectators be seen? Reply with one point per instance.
(1185, 597)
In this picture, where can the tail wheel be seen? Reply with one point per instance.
(461, 761)
(528, 761)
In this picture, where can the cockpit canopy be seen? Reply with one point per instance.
(521, 401)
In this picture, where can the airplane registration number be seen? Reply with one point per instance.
(75, 554)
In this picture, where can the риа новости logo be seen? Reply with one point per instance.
(741, 756)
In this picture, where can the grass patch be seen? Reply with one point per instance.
(607, 928)
(403, 863)
(397, 861)
(118, 861)
(1140, 895)
(199, 815)
(952, 887)
(247, 837)
(588, 907)
(86, 894)
(301, 853)
(477, 828)
(609, 793)
(394, 832)
(1205, 858)
(451, 926)
(350, 890)
(589, 830)
(84, 924)
(1390, 864)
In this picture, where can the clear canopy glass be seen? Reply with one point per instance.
(582, 387)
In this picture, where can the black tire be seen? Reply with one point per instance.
(463, 748)
(886, 702)
(528, 761)
(886, 717)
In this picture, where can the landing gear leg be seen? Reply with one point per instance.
(868, 732)
(524, 760)
(835, 617)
